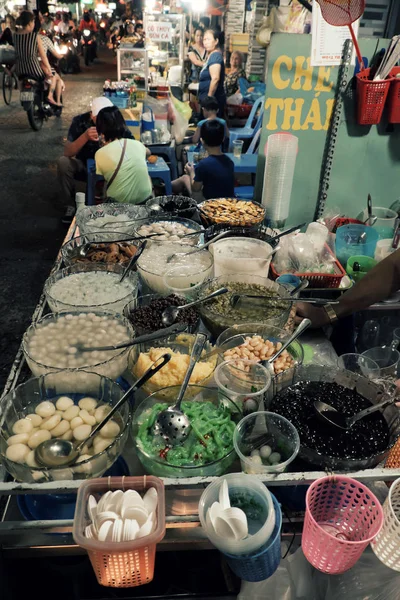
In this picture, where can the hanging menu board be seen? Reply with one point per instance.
(327, 41)
(159, 31)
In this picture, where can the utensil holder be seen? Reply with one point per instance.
(342, 518)
(371, 98)
(120, 564)
(386, 545)
(263, 563)
(393, 102)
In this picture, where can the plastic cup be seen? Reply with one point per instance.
(386, 545)
(262, 429)
(244, 382)
(385, 222)
(386, 358)
(384, 249)
(241, 255)
(366, 263)
(318, 234)
(288, 278)
(396, 335)
(357, 363)
(237, 146)
(348, 244)
(342, 518)
(252, 496)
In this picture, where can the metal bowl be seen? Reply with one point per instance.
(365, 387)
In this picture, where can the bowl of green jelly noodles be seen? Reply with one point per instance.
(207, 451)
(219, 314)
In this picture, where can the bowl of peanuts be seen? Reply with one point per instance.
(64, 406)
(258, 342)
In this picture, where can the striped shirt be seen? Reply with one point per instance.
(27, 59)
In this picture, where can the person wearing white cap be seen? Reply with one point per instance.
(82, 144)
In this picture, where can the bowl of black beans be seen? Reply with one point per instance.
(322, 445)
(181, 206)
(145, 313)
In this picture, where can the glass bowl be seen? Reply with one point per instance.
(153, 265)
(110, 217)
(151, 321)
(214, 218)
(170, 376)
(165, 221)
(218, 315)
(97, 253)
(155, 465)
(184, 280)
(109, 364)
(181, 206)
(91, 269)
(23, 401)
(364, 387)
(236, 335)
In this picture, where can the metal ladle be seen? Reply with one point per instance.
(133, 260)
(169, 314)
(330, 415)
(305, 324)
(200, 248)
(172, 424)
(58, 452)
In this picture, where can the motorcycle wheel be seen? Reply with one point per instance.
(35, 116)
(86, 55)
(8, 83)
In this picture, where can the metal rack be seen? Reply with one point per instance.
(184, 532)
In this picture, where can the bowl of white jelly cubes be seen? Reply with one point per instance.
(53, 343)
(53, 406)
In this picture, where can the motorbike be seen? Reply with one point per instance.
(88, 43)
(67, 45)
(34, 102)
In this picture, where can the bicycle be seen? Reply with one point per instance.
(10, 82)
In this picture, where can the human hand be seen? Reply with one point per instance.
(317, 316)
(92, 135)
(189, 168)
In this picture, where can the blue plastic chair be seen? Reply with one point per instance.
(248, 131)
(246, 192)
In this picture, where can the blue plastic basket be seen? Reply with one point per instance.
(264, 563)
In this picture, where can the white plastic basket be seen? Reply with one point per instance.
(386, 545)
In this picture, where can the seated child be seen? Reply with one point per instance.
(214, 175)
(209, 108)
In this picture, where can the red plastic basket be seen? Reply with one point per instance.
(334, 224)
(318, 280)
(393, 102)
(371, 98)
(239, 111)
(342, 518)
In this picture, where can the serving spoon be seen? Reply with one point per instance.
(236, 299)
(58, 452)
(133, 260)
(200, 248)
(169, 314)
(330, 415)
(172, 424)
(305, 324)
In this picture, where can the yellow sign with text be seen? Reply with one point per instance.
(295, 114)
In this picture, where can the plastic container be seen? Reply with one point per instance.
(342, 518)
(241, 385)
(241, 255)
(385, 222)
(318, 234)
(365, 265)
(252, 496)
(386, 545)
(120, 564)
(393, 101)
(289, 279)
(237, 147)
(23, 400)
(347, 242)
(371, 98)
(357, 363)
(384, 249)
(386, 358)
(263, 564)
(275, 431)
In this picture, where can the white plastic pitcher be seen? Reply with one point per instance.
(241, 255)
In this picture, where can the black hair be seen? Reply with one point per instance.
(210, 103)
(65, 18)
(212, 133)
(86, 18)
(196, 29)
(215, 33)
(110, 123)
(138, 26)
(25, 18)
(205, 21)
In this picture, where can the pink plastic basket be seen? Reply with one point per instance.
(342, 517)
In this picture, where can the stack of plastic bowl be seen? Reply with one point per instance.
(245, 382)
(342, 518)
(384, 249)
(240, 255)
(280, 162)
(265, 443)
(385, 223)
(386, 545)
(257, 556)
(349, 242)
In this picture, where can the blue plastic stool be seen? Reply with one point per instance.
(264, 563)
(160, 170)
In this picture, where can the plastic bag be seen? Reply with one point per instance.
(251, 91)
(235, 100)
(181, 113)
(297, 18)
(263, 36)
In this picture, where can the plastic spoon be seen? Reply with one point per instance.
(330, 415)
(170, 313)
(59, 452)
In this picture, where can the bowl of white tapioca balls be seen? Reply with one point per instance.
(58, 407)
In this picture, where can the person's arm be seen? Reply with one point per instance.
(190, 170)
(196, 136)
(72, 148)
(377, 285)
(215, 74)
(54, 51)
(43, 57)
(195, 60)
(148, 152)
